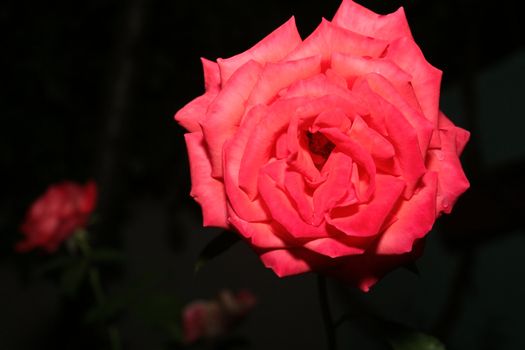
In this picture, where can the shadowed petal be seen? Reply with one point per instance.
(206, 190)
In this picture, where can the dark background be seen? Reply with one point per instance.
(89, 90)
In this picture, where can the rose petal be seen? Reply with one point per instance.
(367, 219)
(288, 262)
(277, 76)
(335, 188)
(423, 128)
(358, 155)
(283, 211)
(300, 159)
(297, 189)
(361, 20)
(426, 79)
(272, 48)
(331, 118)
(194, 112)
(332, 248)
(452, 181)
(262, 140)
(328, 38)
(371, 140)
(206, 190)
(349, 103)
(261, 234)
(415, 219)
(244, 207)
(225, 113)
(400, 133)
(316, 86)
(462, 136)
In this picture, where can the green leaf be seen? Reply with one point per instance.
(72, 277)
(215, 247)
(406, 339)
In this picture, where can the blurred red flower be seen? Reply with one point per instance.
(53, 217)
(211, 319)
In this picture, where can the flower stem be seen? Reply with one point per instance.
(96, 286)
(326, 313)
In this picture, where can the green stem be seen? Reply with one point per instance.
(326, 313)
(96, 286)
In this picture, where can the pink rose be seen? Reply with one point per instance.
(52, 218)
(327, 154)
(210, 319)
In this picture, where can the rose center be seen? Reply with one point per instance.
(320, 148)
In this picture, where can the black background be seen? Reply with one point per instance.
(89, 89)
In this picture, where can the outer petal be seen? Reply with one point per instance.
(414, 219)
(421, 125)
(225, 113)
(332, 248)
(426, 79)
(361, 20)
(272, 48)
(328, 38)
(195, 112)
(452, 181)
(206, 190)
(288, 262)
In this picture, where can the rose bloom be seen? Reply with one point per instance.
(211, 319)
(328, 154)
(52, 218)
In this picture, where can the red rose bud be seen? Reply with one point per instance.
(64, 208)
(328, 154)
(211, 319)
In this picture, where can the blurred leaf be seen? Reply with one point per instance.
(106, 255)
(401, 337)
(215, 247)
(72, 277)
